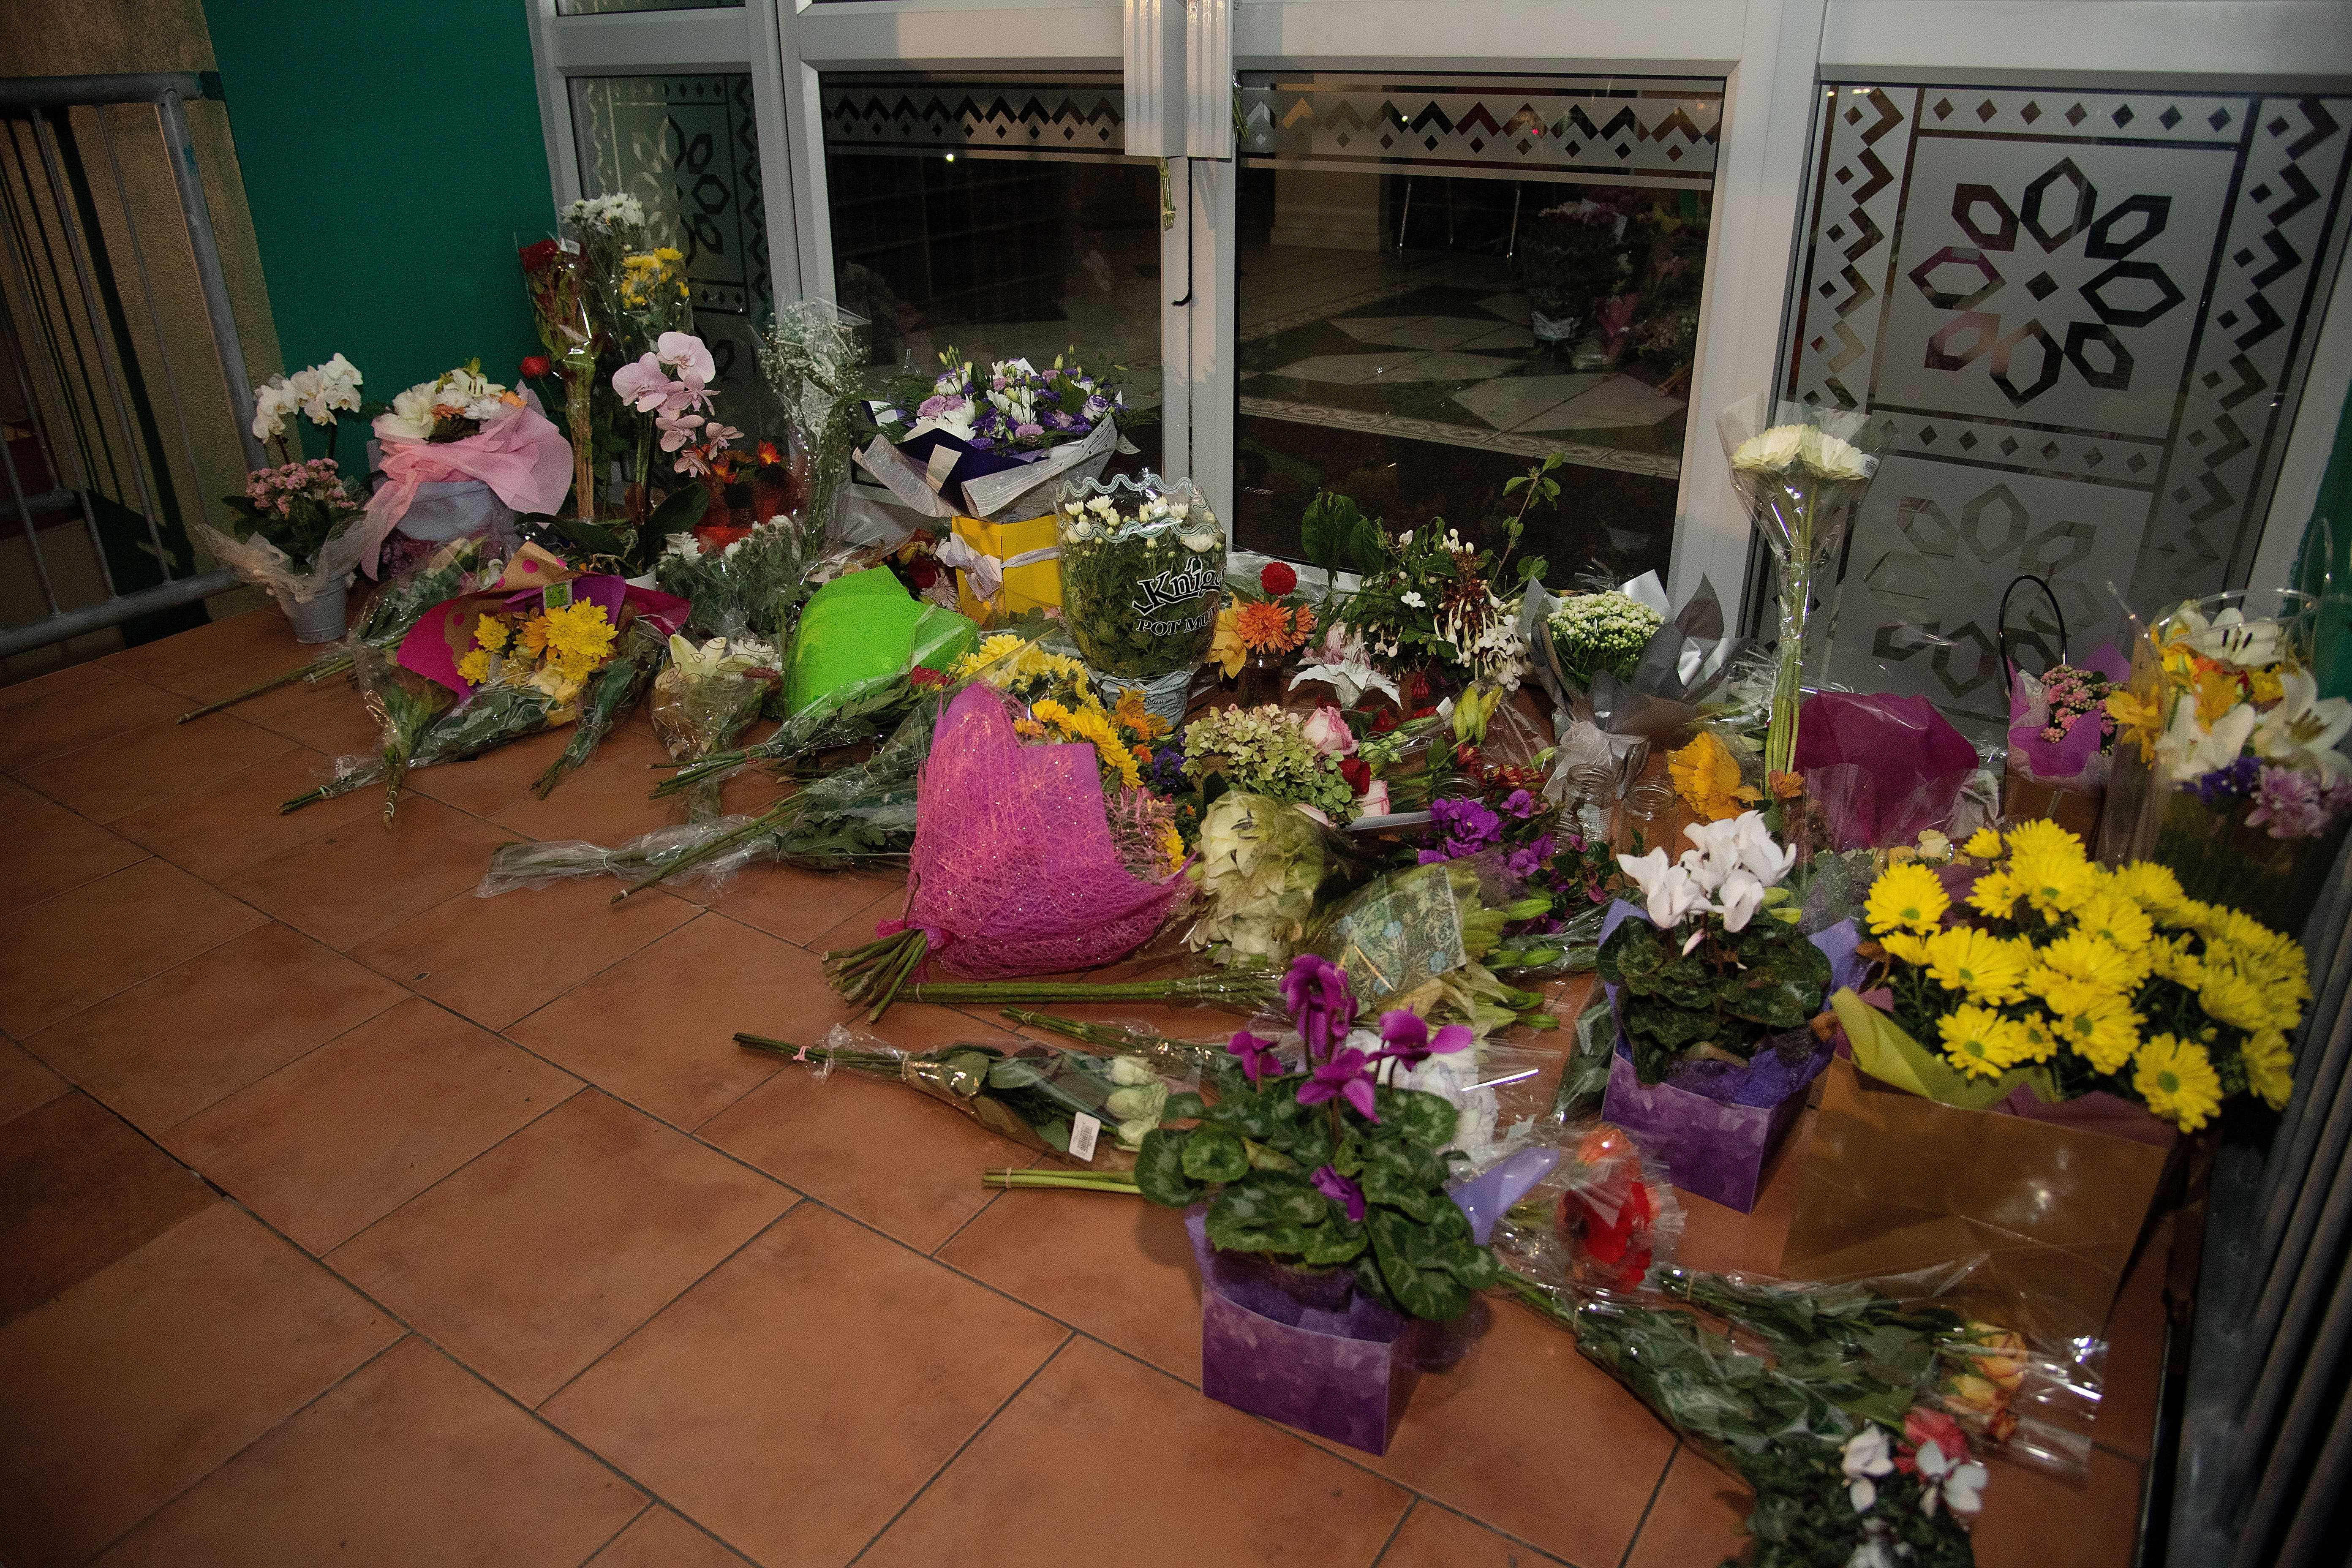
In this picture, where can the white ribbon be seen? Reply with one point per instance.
(987, 572)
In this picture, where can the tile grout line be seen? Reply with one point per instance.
(616, 1535)
(1657, 1490)
(959, 1230)
(399, 1340)
(410, 1331)
(639, 1327)
(1411, 1502)
(1035, 1374)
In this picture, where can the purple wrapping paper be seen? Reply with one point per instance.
(1715, 1124)
(2060, 761)
(1881, 768)
(1334, 1374)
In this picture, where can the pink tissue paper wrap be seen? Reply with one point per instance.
(520, 455)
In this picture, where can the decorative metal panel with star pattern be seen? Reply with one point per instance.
(1589, 129)
(2081, 321)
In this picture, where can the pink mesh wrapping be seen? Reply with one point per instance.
(1013, 870)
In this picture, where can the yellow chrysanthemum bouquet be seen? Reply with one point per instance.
(2068, 977)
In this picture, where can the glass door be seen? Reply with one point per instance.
(1440, 279)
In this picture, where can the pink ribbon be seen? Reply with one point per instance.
(522, 457)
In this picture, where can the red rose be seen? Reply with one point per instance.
(537, 255)
(1276, 578)
(1357, 775)
(922, 572)
(535, 365)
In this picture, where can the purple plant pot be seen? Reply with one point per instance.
(1715, 1124)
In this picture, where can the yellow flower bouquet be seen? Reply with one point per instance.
(2069, 977)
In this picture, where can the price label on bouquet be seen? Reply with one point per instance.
(557, 597)
(1083, 1131)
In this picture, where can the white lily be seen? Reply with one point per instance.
(1347, 663)
(1865, 1455)
(2304, 727)
(1957, 1484)
(2229, 637)
(2188, 749)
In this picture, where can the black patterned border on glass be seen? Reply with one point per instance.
(1028, 119)
(1564, 129)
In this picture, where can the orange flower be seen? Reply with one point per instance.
(1264, 627)
(1304, 622)
(1785, 786)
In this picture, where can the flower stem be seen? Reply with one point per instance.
(1119, 1182)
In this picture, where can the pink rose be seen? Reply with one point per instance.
(1326, 730)
(1374, 802)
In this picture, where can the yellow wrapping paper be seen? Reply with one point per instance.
(1033, 584)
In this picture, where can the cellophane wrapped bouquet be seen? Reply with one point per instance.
(2066, 978)
(812, 356)
(1802, 470)
(708, 694)
(984, 439)
(758, 582)
(1143, 576)
(2230, 766)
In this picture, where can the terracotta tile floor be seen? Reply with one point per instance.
(344, 1216)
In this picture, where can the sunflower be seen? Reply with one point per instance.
(1980, 1042)
(1706, 775)
(2178, 1080)
(1978, 963)
(2104, 1031)
(1909, 898)
(1984, 844)
(2078, 955)
(2270, 1067)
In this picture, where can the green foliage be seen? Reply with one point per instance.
(1335, 534)
(1723, 999)
(1254, 1155)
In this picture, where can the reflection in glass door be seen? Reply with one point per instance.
(1440, 279)
(999, 216)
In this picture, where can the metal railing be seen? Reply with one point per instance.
(90, 338)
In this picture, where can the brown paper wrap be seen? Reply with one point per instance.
(1893, 1182)
(2024, 798)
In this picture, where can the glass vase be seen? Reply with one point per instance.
(2222, 860)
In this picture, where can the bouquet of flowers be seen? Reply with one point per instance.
(1575, 256)
(1278, 754)
(812, 356)
(1605, 630)
(1055, 1101)
(744, 488)
(975, 440)
(1262, 863)
(758, 582)
(557, 282)
(1702, 979)
(1016, 867)
(609, 698)
(462, 428)
(1328, 1168)
(1522, 845)
(2231, 768)
(1801, 479)
(706, 697)
(1599, 1219)
(1435, 604)
(1261, 629)
(1143, 572)
(1852, 1462)
(2067, 977)
(2061, 737)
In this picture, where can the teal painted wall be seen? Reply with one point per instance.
(393, 162)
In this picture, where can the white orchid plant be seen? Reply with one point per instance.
(451, 406)
(323, 394)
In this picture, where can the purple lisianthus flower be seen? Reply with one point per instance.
(1347, 1076)
(1258, 1059)
(1321, 1005)
(1095, 407)
(1340, 1191)
(2291, 801)
(1027, 432)
(1408, 1040)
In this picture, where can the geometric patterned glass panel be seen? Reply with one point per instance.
(2082, 322)
(688, 147)
(600, 7)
